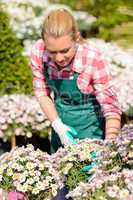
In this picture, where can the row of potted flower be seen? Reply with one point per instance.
(91, 169)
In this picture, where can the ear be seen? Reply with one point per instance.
(77, 36)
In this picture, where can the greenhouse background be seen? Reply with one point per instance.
(108, 24)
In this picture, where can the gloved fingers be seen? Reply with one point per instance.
(88, 167)
(93, 155)
(73, 131)
(71, 137)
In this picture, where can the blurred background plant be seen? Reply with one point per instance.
(21, 115)
(25, 18)
(114, 19)
(15, 74)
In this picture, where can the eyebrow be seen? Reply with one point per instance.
(59, 51)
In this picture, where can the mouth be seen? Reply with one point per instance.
(62, 64)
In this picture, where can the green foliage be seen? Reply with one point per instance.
(74, 4)
(101, 192)
(76, 175)
(105, 24)
(15, 73)
(6, 184)
(39, 196)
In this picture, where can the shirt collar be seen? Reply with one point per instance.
(78, 59)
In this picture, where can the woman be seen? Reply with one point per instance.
(85, 103)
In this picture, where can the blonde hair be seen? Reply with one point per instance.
(59, 22)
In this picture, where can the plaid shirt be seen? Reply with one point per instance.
(94, 76)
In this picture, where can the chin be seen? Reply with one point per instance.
(62, 64)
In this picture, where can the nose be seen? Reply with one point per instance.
(59, 57)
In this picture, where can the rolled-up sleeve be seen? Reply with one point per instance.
(39, 81)
(104, 87)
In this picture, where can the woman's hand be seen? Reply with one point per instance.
(66, 133)
(111, 135)
(113, 126)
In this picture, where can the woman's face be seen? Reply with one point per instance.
(61, 50)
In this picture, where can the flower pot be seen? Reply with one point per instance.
(16, 196)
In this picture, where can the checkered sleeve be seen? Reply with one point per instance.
(104, 87)
(39, 82)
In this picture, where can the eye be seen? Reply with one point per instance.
(52, 52)
(64, 50)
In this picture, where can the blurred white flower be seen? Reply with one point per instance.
(21, 115)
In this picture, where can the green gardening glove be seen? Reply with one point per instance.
(93, 164)
(70, 134)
